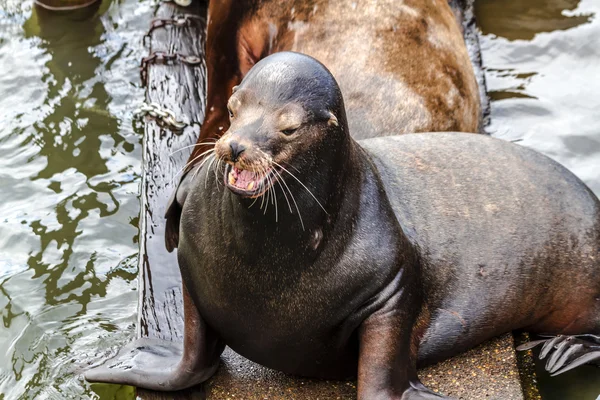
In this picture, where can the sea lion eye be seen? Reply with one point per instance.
(230, 112)
(289, 131)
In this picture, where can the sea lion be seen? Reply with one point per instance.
(402, 65)
(312, 253)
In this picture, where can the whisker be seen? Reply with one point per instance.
(271, 185)
(268, 192)
(293, 199)
(214, 157)
(193, 145)
(271, 161)
(291, 166)
(272, 188)
(217, 168)
(224, 168)
(188, 164)
(262, 197)
(202, 164)
(303, 185)
(255, 200)
(284, 194)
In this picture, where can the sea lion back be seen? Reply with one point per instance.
(481, 209)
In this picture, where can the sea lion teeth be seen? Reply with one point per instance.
(250, 185)
(231, 179)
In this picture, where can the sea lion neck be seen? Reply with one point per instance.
(311, 204)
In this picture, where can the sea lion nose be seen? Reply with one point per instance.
(236, 150)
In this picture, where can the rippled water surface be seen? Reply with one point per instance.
(69, 176)
(70, 159)
(542, 61)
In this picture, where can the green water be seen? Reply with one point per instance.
(70, 159)
(69, 181)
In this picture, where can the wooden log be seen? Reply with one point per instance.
(181, 88)
(178, 87)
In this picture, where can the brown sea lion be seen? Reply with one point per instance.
(309, 252)
(402, 65)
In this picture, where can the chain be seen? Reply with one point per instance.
(163, 115)
(160, 57)
(184, 20)
(182, 3)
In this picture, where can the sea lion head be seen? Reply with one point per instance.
(286, 115)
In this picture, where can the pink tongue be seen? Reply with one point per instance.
(244, 177)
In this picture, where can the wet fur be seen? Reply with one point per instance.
(420, 251)
(402, 65)
(437, 248)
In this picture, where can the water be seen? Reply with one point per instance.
(542, 62)
(69, 181)
(70, 159)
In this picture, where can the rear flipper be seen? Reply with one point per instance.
(567, 352)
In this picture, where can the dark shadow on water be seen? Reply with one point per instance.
(77, 117)
(523, 19)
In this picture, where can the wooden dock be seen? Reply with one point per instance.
(177, 83)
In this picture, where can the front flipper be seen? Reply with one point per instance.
(149, 363)
(387, 367)
(567, 352)
(418, 391)
(157, 364)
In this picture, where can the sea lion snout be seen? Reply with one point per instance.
(239, 150)
(236, 149)
(249, 172)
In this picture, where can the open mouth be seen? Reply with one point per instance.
(249, 183)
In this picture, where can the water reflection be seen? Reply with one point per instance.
(545, 89)
(76, 117)
(524, 19)
(69, 176)
(542, 62)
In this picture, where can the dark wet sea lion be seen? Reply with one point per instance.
(312, 253)
(402, 65)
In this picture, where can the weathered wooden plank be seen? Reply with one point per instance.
(180, 88)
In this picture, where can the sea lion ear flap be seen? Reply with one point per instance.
(173, 213)
(332, 119)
